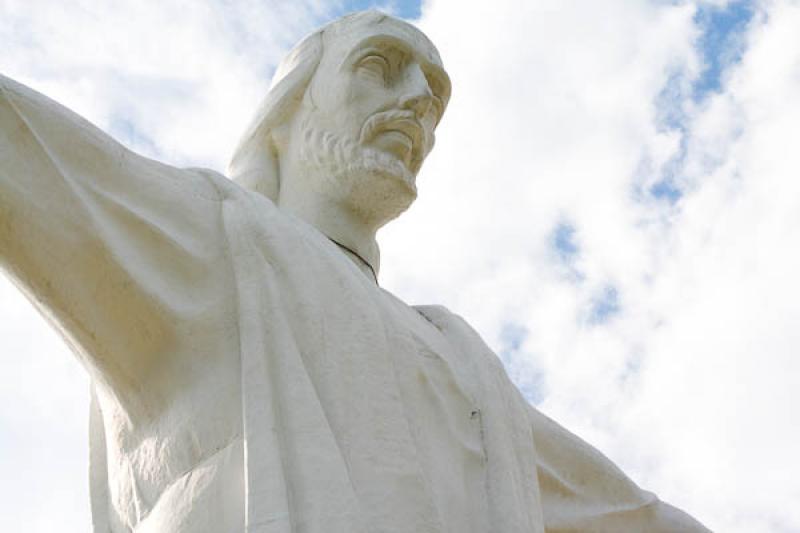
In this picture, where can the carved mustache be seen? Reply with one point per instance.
(398, 120)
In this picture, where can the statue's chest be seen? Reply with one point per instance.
(400, 404)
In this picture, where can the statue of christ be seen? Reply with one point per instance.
(249, 373)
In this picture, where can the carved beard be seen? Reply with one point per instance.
(374, 184)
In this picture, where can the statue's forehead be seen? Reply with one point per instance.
(389, 29)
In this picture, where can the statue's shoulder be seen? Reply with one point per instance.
(439, 315)
(210, 183)
(10, 86)
(227, 189)
(460, 334)
(219, 187)
(447, 321)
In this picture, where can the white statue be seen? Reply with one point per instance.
(249, 373)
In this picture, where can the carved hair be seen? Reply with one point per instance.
(254, 164)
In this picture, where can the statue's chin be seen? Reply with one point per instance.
(372, 182)
(378, 195)
(396, 171)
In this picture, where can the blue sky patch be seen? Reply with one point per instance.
(407, 9)
(512, 336)
(566, 250)
(720, 46)
(521, 368)
(721, 41)
(604, 306)
(564, 241)
(125, 131)
(670, 112)
(667, 188)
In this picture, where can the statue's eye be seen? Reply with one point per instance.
(375, 66)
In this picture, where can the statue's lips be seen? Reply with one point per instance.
(403, 137)
(396, 142)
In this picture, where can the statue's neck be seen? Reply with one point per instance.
(360, 262)
(356, 239)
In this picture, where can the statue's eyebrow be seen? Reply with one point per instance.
(437, 77)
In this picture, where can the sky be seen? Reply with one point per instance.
(613, 203)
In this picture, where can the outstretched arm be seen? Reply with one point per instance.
(582, 490)
(112, 247)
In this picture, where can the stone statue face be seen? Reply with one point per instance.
(368, 117)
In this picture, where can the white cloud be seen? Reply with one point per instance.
(723, 365)
(43, 424)
(185, 76)
(557, 118)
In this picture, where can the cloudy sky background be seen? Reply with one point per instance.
(614, 203)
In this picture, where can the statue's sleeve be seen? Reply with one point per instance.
(582, 490)
(116, 250)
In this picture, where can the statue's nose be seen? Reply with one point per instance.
(419, 104)
(419, 97)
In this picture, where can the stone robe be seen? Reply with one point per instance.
(249, 377)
